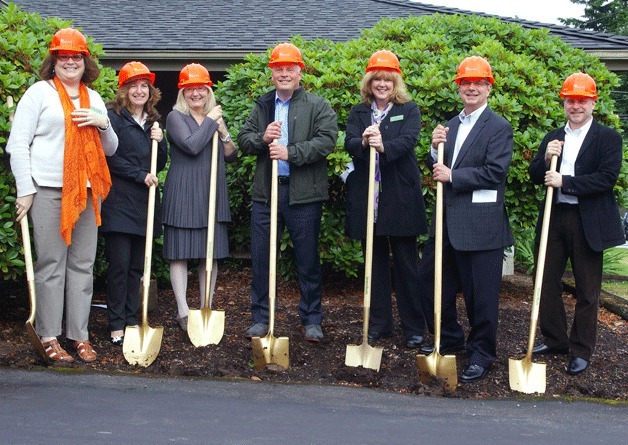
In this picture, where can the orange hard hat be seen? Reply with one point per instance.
(69, 39)
(285, 54)
(194, 74)
(579, 85)
(474, 67)
(133, 71)
(383, 61)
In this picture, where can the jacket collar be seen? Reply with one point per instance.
(475, 131)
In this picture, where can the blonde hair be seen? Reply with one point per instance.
(182, 106)
(399, 95)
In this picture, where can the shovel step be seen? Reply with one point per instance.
(526, 377)
(271, 350)
(206, 326)
(142, 344)
(364, 355)
(440, 366)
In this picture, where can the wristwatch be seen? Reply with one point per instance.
(227, 138)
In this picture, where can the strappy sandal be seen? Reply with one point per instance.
(85, 350)
(55, 352)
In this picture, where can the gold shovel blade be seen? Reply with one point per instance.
(525, 376)
(142, 344)
(441, 366)
(205, 326)
(36, 343)
(364, 355)
(269, 349)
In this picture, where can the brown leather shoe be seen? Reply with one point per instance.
(85, 351)
(55, 352)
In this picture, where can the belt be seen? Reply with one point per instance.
(283, 180)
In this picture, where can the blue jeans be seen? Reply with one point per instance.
(303, 222)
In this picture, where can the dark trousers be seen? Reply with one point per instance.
(481, 279)
(478, 274)
(566, 240)
(452, 334)
(303, 222)
(125, 255)
(406, 276)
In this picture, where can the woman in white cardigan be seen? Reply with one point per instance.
(59, 138)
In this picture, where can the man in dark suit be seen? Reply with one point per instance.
(584, 221)
(478, 149)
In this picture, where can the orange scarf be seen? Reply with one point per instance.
(84, 159)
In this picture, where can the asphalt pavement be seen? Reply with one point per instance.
(53, 407)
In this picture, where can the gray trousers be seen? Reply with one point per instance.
(63, 274)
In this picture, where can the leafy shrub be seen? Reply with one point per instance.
(24, 42)
(529, 67)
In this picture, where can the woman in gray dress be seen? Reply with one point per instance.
(190, 128)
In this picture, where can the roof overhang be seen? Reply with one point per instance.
(614, 60)
(160, 60)
(221, 60)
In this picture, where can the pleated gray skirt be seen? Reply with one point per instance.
(182, 243)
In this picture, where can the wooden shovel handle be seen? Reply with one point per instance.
(272, 261)
(211, 220)
(150, 216)
(438, 255)
(368, 255)
(540, 262)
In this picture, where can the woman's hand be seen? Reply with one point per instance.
(87, 116)
(22, 205)
(156, 133)
(215, 113)
(151, 180)
(370, 132)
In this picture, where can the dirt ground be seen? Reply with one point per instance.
(323, 363)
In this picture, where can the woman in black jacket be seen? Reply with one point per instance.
(389, 121)
(132, 114)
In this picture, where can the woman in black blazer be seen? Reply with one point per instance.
(132, 114)
(388, 120)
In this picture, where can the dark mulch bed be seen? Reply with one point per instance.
(323, 363)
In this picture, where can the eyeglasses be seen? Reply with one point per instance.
(476, 83)
(198, 89)
(285, 69)
(66, 57)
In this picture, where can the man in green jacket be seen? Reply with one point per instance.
(299, 130)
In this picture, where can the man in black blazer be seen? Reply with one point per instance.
(584, 221)
(478, 150)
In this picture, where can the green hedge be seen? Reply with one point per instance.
(529, 67)
(24, 42)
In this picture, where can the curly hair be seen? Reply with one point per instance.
(121, 101)
(399, 95)
(91, 73)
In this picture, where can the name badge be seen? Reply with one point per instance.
(396, 118)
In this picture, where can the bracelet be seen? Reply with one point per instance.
(107, 127)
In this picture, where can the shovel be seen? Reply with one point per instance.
(366, 355)
(142, 343)
(523, 375)
(204, 325)
(30, 277)
(269, 349)
(435, 364)
(28, 259)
